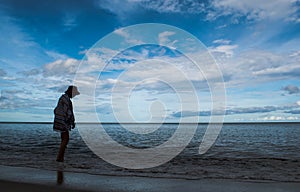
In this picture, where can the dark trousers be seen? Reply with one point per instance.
(64, 142)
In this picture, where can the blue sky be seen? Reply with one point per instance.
(255, 43)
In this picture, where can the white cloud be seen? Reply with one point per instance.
(225, 50)
(122, 9)
(221, 41)
(55, 55)
(279, 70)
(253, 66)
(83, 52)
(278, 118)
(129, 38)
(145, 77)
(61, 67)
(172, 69)
(295, 54)
(163, 39)
(272, 118)
(292, 118)
(255, 9)
(221, 26)
(97, 59)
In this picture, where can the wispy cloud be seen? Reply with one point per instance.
(223, 50)
(121, 9)
(132, 39)
(69, 21)
(31, 72)
(16, 99)
(163, 38)
(222, 41)
(161, 6)
(174, 6)
(254, 42)
(16, 53)
(255, 9)
(255, 66)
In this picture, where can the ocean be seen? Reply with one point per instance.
(247, 151)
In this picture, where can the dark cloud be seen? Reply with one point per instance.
(10, 93)
(3, 98)
(293, 112)
(291, 89)
(264, 109)
(2, 73)
(234, 111)
(190, 113)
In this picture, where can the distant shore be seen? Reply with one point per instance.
(30, 179)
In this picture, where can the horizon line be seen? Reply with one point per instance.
(246, 122)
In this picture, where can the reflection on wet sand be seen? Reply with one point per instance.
(60, 177)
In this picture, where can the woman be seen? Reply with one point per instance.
(64, 119)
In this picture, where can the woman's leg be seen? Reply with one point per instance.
(64, 141)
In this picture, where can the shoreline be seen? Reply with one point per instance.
(32, 179)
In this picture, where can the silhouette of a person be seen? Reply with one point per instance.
(64, 119)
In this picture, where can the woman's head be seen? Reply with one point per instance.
(72, 91)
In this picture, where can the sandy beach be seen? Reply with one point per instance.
(32, 179)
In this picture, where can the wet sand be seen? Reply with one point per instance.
(28, 187)
(31, 179)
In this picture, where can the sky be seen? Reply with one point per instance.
(255, 44)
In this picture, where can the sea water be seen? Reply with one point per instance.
(263, 151)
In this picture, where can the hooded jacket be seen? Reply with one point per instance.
(63, 114)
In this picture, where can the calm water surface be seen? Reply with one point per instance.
(242, 151)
